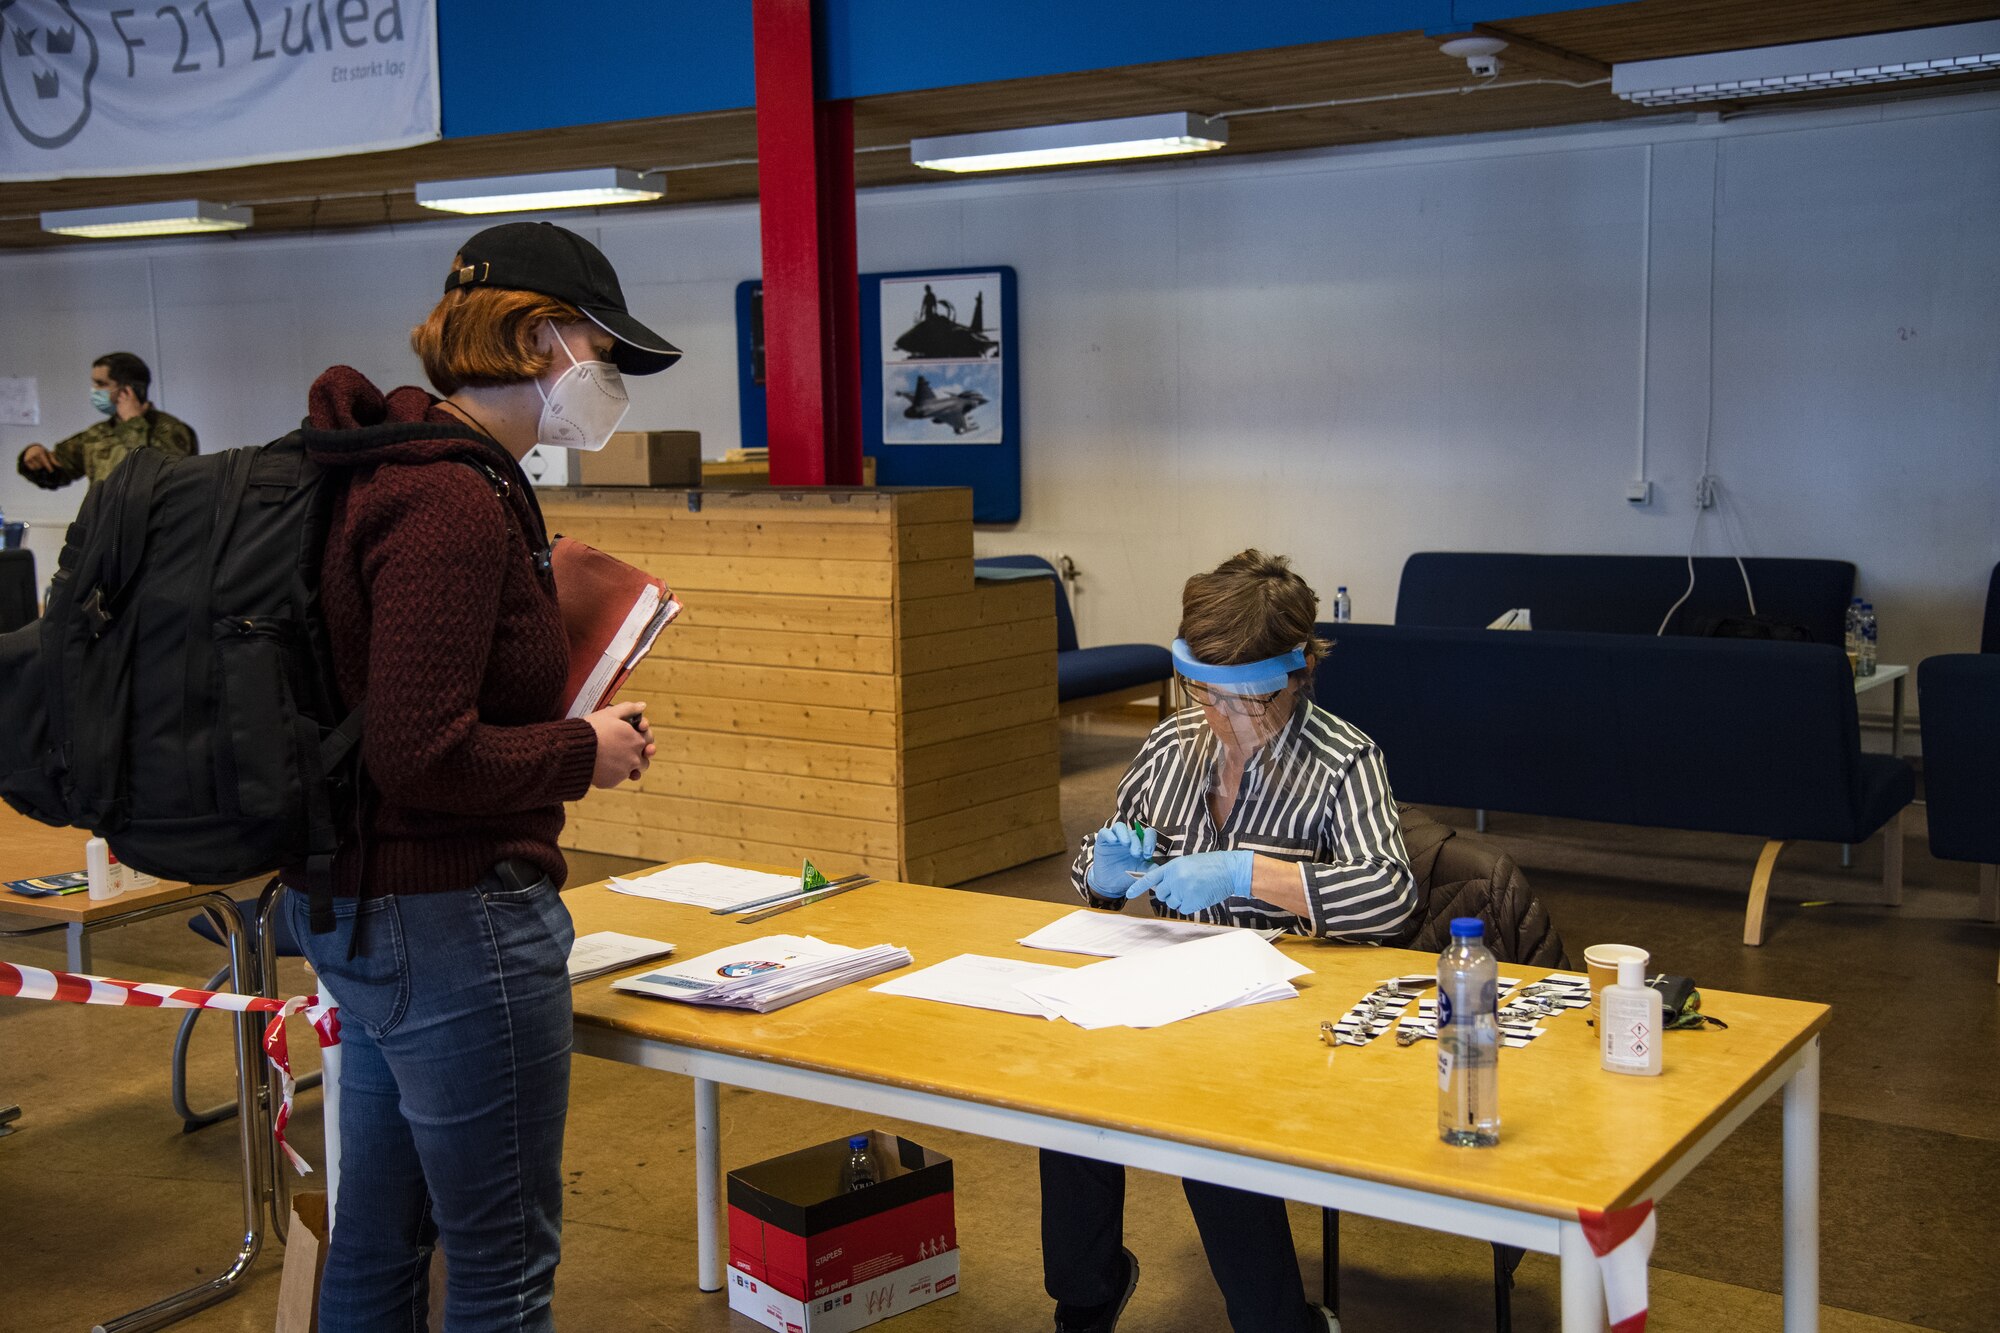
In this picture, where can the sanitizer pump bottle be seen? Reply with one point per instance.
(1630, 1022)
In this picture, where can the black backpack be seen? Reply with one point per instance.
(177, 696)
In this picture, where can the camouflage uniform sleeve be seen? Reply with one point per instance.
(71, 457)
(175, 437)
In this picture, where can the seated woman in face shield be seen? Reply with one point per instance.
(1251, 806)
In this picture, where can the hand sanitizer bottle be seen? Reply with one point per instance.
(1631, 1030)
(101, 870)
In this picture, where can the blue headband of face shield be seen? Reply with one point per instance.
(1265, 677)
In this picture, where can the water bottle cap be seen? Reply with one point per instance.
(1468, 928)
(859, 1143)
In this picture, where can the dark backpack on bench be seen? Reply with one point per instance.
(177, 696)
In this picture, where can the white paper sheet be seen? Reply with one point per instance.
(705, 884)
(978, 982)
(20, 401)
(1163, 986)
(1110, 935)
(604, 951)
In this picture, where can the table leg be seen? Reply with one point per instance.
(249, 1126)
(1896, 717)
(1582, 1284)
(1479, 821)
(708, 1184)
(79, 947)
(1802, 1194)
(329, 1106)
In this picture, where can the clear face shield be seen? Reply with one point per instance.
(1231, 714)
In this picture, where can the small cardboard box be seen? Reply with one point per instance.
(305, 1263)
(643, 458)
(806, 1256)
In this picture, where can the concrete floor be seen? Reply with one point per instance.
(105, 1205)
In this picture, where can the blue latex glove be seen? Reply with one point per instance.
(1115, 852)
(1188, 884)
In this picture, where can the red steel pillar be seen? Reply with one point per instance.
(812, 301)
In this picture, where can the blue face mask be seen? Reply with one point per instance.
(101, 400)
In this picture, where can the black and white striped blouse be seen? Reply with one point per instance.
(1318, 794)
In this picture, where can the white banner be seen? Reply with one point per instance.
(100, 88)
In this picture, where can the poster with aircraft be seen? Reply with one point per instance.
(943, 349)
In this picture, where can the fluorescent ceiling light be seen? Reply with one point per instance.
(1063, 145)
(1843, 62)
(168, 219)
(549, 189)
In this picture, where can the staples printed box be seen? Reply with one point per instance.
(807, 1256)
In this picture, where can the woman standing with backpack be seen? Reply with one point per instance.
(450, 944)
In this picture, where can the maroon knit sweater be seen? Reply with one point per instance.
(443, 627)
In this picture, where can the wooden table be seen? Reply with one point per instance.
(29, 849)
(1352, 1128)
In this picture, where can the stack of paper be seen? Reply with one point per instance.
(705, 884)
(767, 973)
(1145, 990)
(1109, 935)
(606, 951)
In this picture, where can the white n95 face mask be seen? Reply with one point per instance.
(584, 407)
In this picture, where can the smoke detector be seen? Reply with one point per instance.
(1481, 54)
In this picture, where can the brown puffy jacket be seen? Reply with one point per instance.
(1460, 876)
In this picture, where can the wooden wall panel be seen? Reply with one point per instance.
(839, 686)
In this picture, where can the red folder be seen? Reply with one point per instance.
(612, 613)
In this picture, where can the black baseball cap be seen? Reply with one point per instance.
(554, 261)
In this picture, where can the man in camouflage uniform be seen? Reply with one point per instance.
(118, 385)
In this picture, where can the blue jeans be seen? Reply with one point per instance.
(454, 1084)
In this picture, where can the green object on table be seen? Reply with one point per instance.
(810, 878)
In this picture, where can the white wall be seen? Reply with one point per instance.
(1346, 356)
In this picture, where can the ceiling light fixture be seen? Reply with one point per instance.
(1166, 135)
(1842, 62)
(1481, 54)
(590, 188)
(179, 217)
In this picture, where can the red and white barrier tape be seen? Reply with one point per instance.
(39, 983)
(1622, 1240)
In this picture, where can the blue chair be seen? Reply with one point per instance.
(1958, 696)
(1088, 679)
(1989, 639)
(282, 945)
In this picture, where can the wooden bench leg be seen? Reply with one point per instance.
(1760, 891)
(1892, 860)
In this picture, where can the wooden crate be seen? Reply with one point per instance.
(838, 687)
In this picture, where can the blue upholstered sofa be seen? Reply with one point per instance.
(1958, 698)
(1621, 594)
(1717, 735)
(1103, 677)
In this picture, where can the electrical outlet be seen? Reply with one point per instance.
(1704, 493)
(1639, 493)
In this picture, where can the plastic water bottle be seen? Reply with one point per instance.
(1468, 1028)
(1852, 638)
(859, 1173)
(1343, 607)
(1865, 664)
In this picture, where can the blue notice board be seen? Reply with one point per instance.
(940, 381)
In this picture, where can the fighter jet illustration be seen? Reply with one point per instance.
(953, 409)
(937, 332)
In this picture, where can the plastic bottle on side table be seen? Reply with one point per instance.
(859, 1173)
(101, 870)
(1468, 1034)
(1343, 606)
(1866, 665)
(1852, 637)
(1633, 1029)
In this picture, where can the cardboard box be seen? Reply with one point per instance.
(643, 458)
(806, 1256)
(305, 1263)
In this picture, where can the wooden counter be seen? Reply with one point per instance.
(838, 687)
